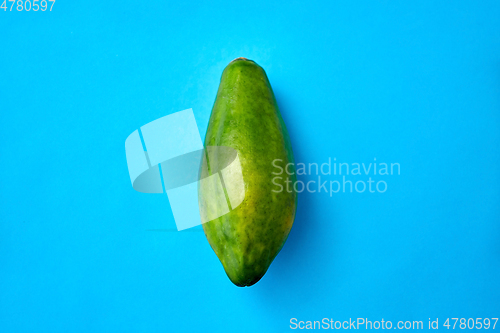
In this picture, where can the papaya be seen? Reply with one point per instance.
(246, 118)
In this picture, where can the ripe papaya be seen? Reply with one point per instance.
(246, 118)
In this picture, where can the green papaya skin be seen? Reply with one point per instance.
(245, 117)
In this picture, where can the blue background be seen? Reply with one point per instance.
(415, 83)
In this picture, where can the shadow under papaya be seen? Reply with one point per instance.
(288, 266)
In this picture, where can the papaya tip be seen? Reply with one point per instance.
(242, 59)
